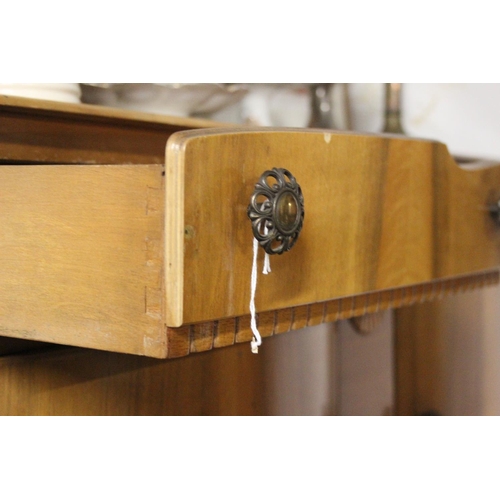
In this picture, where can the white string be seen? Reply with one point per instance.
(267, 264)
(257, 339)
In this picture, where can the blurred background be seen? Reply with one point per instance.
(337, 370)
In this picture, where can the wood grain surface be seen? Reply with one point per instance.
(206, 336)
(121, 258)
(81, 256)
(85, 382)
(382, 212)
(37, 131)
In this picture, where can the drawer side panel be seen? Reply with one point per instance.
(81, 252)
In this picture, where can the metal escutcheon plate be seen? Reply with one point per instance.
(276, 210)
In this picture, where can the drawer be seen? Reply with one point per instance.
(157, 259)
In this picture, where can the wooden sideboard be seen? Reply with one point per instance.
(127, 232)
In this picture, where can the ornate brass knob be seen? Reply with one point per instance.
(276, 210)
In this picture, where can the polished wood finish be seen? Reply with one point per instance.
(226, 381)
(280, 380)
(123, 258)
(204, 336)
(36, 131)
(73, 381)
(382, 212)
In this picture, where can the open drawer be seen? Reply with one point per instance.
(156, 259)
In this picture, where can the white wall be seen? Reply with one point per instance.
(465, 116)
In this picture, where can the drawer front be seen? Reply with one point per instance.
(381, 212)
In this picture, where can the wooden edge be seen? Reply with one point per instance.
(174, 233)
(225, 332)
(182, 137)
(82, 111)
(205, 336)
